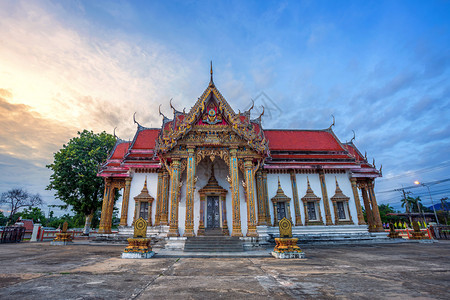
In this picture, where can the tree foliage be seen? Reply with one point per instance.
(35, 214)
(75, 168)
(384, 210)
(18, 198)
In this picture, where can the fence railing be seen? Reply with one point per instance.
(12, 234)
(407, 233)
(440, 232)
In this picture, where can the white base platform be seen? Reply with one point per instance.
(138, 255)
(288, 255)
(60, 243)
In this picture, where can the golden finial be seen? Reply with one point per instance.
(337, 184)
(211, 82)
(279, 185)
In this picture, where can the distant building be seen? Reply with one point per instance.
(214, 169)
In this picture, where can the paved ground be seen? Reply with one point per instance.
(80, 271)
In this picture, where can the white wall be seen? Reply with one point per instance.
(137, 183)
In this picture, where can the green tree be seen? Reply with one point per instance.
(18, 198)
(35, 214)
(386, 209)
(75, 169)
(3, 219)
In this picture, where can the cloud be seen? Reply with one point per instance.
(26, 134)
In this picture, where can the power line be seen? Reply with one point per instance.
(416, 186)
(423, 170)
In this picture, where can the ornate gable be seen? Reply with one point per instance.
(212, 121)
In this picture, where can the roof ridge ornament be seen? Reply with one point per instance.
(135, 122)
(329, 128)
(354, 137)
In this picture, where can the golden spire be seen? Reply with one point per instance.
(211, 82)
(145, 185)
(338, 189)
(309, 186)
(280, 195)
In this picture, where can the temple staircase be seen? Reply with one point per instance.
(213, 241)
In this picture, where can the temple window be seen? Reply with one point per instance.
(143, 210)
(281, 205)
(143, 205)
(311, 211)
(312, 207)
(341, 209)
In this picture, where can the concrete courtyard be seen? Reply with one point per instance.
(93, 271)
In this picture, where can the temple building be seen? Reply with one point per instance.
(212, 169)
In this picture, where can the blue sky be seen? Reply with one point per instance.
(380, 67)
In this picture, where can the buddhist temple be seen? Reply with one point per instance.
(214, 169)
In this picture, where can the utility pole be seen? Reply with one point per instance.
(407, 204)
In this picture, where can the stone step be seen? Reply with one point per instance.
(213, 244)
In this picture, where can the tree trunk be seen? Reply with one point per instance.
(87, 224)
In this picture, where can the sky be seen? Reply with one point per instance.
(382, 68)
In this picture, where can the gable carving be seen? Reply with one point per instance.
(211, 121)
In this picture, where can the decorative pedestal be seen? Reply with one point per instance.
(62, 238)
(392, 233)
(138, 248)
(417, 235)
(287, 248)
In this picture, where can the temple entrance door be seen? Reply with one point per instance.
(212, 213)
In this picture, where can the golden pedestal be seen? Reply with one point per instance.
(139, 245)
(62, 238)
(286, 246)
(417, 235)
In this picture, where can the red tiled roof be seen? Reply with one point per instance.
(120, 151)
(351, 149)
(300, 140)
(146, 139)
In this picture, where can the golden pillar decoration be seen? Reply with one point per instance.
(262, 220)
(174, 170)
(189, 224)
(224, 215)
(326, 203)
(249, 182)
(234, 184)
(357, 202)
(101, 228)
(158, 199)
(367, 207)
(375, 212)
(125, 201)
(201, 223)
(164, 219)
(298, 216)
(266, 198)
(109, 209)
